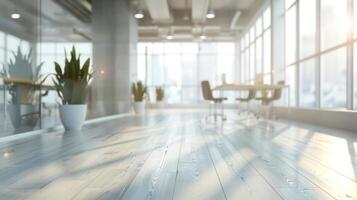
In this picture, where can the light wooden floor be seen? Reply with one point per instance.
(176, 155)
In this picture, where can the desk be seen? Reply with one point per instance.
(29, 83)
(243, 87)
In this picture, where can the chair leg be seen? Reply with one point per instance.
(269, 111)
(248, 107)
(209, 111)
(222, 107)
(215, 111)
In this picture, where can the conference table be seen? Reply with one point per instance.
(244, 87)
(257, 87)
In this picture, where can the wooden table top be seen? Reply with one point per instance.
(22, 81)
(234, 87)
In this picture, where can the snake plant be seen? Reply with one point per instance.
(138, 89)
(160, 93)
(22, 67)
(72, 83)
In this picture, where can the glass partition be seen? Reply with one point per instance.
(31, 40)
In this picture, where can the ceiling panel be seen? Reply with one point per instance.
(159, 11)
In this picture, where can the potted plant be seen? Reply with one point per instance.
(72, 86)
(23, 96)
(138, 91)
(160, 94)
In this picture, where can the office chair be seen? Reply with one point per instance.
(267, 101)
(208, 96)
(251, 96)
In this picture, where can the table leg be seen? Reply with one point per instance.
(223, 116)
(289, 102)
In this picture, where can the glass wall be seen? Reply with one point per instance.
(291, 50)
(307, 25)
(307, 84)
(180, 67)
(334, 23)
(325, 59)
(333, 79)
(256, 50)
(30, 42)
(320, 43)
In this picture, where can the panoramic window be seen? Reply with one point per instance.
(179, 67)
(329, 60)
(307, 84)
(256, 54)
(267, 52)
(333, 79)
(307, 27)
(259, 55)
(334, 23)
(289, 3)
(259, 26)
(252, 62)
(291, 81)
(290, 30)
(267, 18)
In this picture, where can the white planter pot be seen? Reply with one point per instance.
(73, 116)
(160, 104)
(139, 107)
(14, 111)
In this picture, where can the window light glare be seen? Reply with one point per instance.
(210, 14)
(139, 14)
(15, 15)
(169, 37)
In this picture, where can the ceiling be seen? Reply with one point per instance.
(70, 20)
(61, 20)
(186, 19)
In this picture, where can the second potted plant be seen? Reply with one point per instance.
(138, 90)
(160, 94)
(72, 85)
(23, 96)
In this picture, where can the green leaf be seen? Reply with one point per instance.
(58, 69)
(85, 69)
(73, 82)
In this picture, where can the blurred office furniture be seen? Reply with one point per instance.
(208, 96)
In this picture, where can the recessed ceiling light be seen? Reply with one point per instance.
(139, 14)
(210, 14)
(203, 37)
(169, 37)
(16, 15)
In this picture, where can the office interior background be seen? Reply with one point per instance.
(307, 150)
(311, 44)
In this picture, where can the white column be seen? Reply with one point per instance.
(114, 56)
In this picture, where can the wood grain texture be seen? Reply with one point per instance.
(176, 154)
